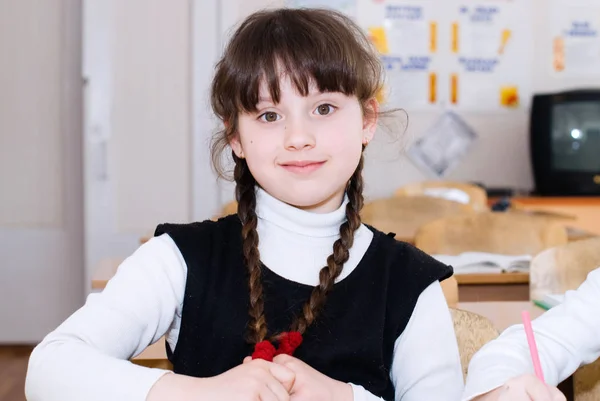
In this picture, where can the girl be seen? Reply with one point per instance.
(248, 309)
(567, 337)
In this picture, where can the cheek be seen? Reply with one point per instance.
(346, 138)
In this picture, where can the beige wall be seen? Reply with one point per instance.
(150, 148)
(41, 195)
(31, 159)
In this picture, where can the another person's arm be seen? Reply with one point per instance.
(567, 337)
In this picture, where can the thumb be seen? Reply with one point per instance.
(247, 359)
(284, 375)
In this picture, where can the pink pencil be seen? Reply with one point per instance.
(535, 356)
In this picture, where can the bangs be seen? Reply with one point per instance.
(311, 47)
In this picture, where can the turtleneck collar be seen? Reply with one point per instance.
(299, 221)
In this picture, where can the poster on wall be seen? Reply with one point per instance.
(407, 40)
(348, 7)
(443, 146)
(491, 46)
(575, 37)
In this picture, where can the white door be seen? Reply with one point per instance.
(146, 124)
(41, 195)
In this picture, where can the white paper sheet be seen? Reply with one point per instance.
(575, 37)
(491, 63)
(443, 145)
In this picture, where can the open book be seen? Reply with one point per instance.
(481, 262)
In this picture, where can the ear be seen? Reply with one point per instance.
(236, 146)
(370, 120)
(235, 143)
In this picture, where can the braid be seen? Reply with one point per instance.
(246, 198)
(340, 255)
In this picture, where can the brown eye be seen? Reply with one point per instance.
(270, 117)
(324, 109)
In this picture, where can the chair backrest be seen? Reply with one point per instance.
(451, 190)
(586, 382)
(563, 268)
(450, 290)
(405, 215)
(472, 331)
(502, 233)
(229, 208)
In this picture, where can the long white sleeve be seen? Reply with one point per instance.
(86, 357)
(567, 337)
(426, 359)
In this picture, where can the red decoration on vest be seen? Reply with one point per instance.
(288, 343)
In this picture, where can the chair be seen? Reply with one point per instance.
(229, 208)
(563, 268)
(405, 215)
(451, 190)
(450, 290)
(501, 233)
(472, 331)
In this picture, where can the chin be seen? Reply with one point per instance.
(318, 202)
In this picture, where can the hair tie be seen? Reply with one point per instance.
(264, 350)
(288, 343)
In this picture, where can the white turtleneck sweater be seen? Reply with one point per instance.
(86, 357)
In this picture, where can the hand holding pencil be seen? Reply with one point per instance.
(526, 387)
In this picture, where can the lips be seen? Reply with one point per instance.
(302, 166)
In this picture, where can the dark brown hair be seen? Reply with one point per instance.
(311, 46)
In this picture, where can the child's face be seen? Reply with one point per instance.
(304, 150)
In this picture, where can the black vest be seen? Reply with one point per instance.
(353, 338)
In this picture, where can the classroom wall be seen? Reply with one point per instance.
(41, 194)
(501, 156)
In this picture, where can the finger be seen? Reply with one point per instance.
(556, 394)
(247, 359)
(267, 395)
(285, 376)
(538, 391)
(513, 393)
(276, 390)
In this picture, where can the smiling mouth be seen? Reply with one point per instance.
(302, 167)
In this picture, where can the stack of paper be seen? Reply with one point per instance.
(481, 262)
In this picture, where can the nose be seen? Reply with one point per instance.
(298, 135)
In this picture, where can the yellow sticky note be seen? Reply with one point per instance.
(509, 96)
(379, 39)
(505, 37)
(454, 88)
(454, 40)
(432, 87)
(559, 54)
(432, 37)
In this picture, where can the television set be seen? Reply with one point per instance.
(565, 143)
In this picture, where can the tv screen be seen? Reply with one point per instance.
(575, 136)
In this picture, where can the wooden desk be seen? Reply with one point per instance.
(479, 287)
(105, 270)
(471, 287)
(582, 213)
(502, 315)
